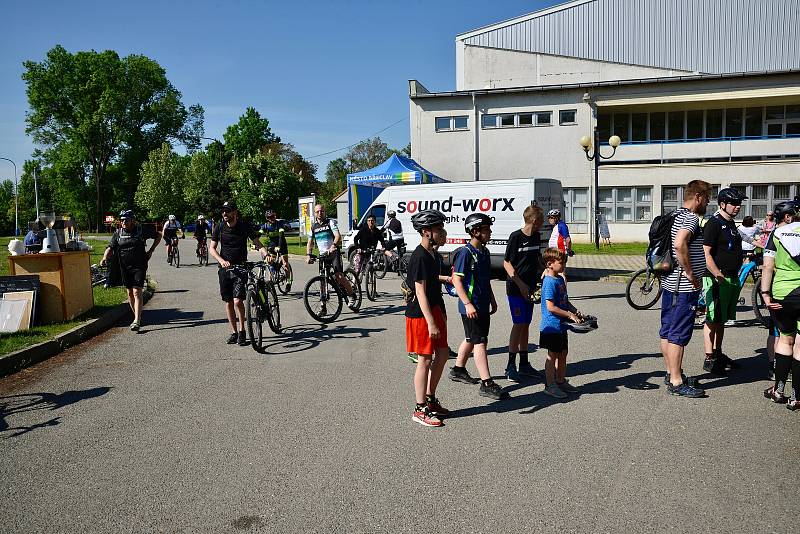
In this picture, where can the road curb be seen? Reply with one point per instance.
(16, 361)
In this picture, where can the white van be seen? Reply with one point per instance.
(503, 200)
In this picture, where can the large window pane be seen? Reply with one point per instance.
(758, 211)
(460, 122)
(624, 213)
(605, 194)
(489, 121)
(694, 125)
(526, 119)
(621, 126)
(624, 194)
(658, 122)
(607, 212)
(442, 123)
(604, 126)
(638, 127)
(793, 112)
(775, 112)
(643, 213)
(675, 131)
(580, 214)
(669, 194)
(567, 116)
(642, 194)
(714, 123)
(793, 128)
(544, 118)
(581, 196)
(753, 122)
(506, 120)
(774, 130)
(759, 192)
(780, 192)
(733, 122)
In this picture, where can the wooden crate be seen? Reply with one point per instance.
(66, 282)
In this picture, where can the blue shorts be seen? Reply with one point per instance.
(521, 309)
(677, 316)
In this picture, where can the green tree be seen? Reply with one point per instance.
(161, 188)
(367, 154)
(113, 109)
(265, 180)
(6, 207)
(206, 186)
(249, 135)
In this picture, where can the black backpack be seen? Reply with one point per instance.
(659, 249)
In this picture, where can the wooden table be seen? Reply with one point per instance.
(66, 282)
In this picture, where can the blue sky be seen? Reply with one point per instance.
(326, 74)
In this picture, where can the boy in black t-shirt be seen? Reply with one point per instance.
(523, 265)
(426, 323)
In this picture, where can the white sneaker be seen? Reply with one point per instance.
(554, 391)
(730, 322)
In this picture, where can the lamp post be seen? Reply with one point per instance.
(16, 198)
(596, 156)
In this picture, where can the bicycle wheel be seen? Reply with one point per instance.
(169, 257)
(322, 300)
(272, 307)
(379, 263)
(402, 265)
(177, 258)
(757, 300)
(643, 290)
(283, 282)
(370, 283)
(355, 283)
(254, 320)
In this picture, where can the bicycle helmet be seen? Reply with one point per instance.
(391, 214)
(790, 207)
(269, 213)
(475, 221)
(729, 195)
(588, 324)
(201, 217)
(554, 213)
(171, 217)
(126, 214)
(427, 219)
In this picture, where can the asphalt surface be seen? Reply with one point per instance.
(172, 430)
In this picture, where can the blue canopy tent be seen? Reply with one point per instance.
(363, 187)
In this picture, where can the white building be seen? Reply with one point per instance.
(696, 89)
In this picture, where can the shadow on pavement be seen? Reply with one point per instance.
(172, 291)
(308, 336)
(33, 402)
(172, 318)
(593, 297)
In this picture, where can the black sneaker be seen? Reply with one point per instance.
(243, 339)
(460, 374)
(714, 366)
(233, 338)
(493, 391)
(685, 390)
(728, 363)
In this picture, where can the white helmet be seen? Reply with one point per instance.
(171, 217)
(201, 217)
(554, 213)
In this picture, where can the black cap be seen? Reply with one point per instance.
(229, 205)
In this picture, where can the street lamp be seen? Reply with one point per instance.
(16, 199)
(596, 156)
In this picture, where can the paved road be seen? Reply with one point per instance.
(173, 431)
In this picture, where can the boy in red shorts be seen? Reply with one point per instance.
(426, 323)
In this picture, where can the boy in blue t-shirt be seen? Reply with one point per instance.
(472, 277)
(556, 310)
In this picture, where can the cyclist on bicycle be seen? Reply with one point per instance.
(201, 231)
(232, 234)
(394, 234)
(367, 238)
(170, 232)
(276, 240)
(327, 238)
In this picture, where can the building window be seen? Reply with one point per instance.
(626, 204)
(489, 121)
(782, 121)
(753, 122)
(576, 205)
(733, 122)
(543, 118)
(694, 124)
(507, 120)
(638, 127)
(672, 199)
(620, 126)
(449, 124)
(567, 116)
(714, 122)
(658, 126)
(675, 125)
(604, 126)
(526, 119)
(763, 197)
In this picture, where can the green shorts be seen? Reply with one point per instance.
(721, 299)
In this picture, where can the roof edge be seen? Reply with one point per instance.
(522, 18)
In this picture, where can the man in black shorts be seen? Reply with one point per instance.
(232, 234)
(128, 243)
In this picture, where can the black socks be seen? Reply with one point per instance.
(783, 364)
(523, 358)
(512, 359)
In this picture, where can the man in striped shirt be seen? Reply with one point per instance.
(682, 286)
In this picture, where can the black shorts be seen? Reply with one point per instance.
(553, 342)
(335, 260)
(232, 284)
(476, 331)
(787, 318)
(283, 249)
(133, 276)
(169, 236)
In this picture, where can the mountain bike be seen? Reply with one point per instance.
(643, 289)
(322, 296)
(173, 254)
(364, 269)
(261, 303)
(202, 252)
(397, 261)
(278, 273)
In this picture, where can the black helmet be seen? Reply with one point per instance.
(475, 221)
(729, 195)
(126, 214)
(789, 207)
(427, 219)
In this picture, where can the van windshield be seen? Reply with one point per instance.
(380, 215)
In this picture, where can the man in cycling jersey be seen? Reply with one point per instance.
(170, 232)
(276, 240)
(200, 231)
(394, 233)
(327, 238)
(366, 238)
(232, 234)
(559, 237)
